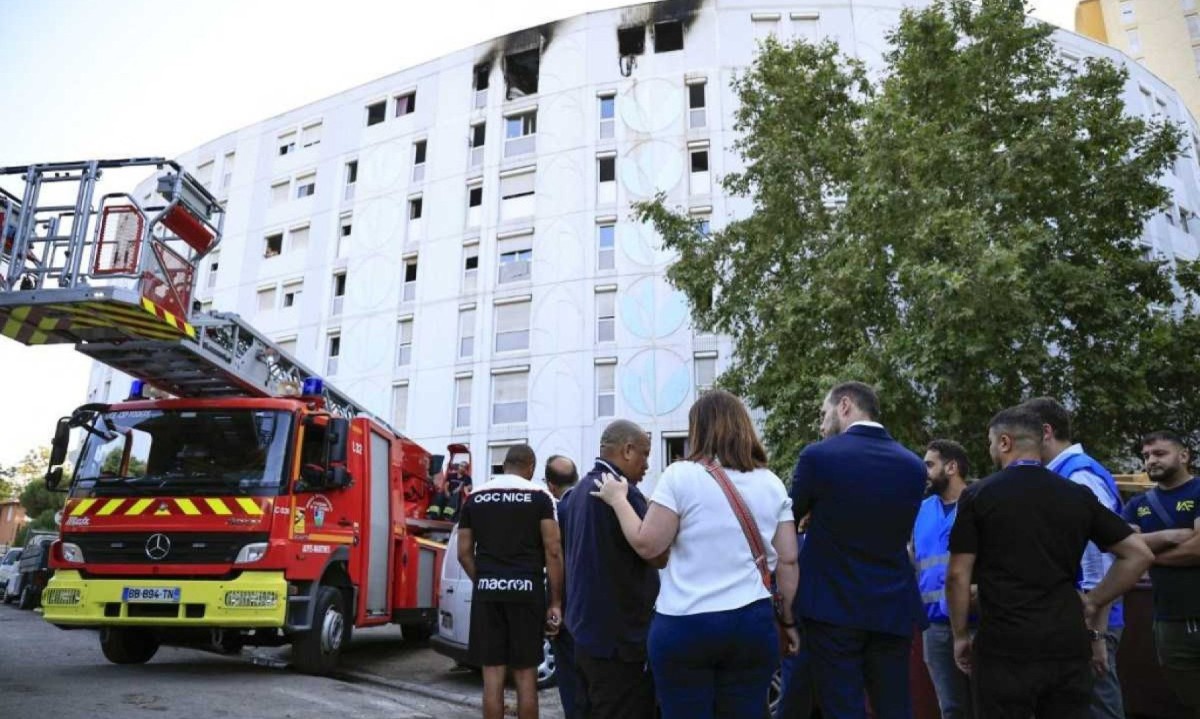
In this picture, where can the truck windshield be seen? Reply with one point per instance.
(184, 452)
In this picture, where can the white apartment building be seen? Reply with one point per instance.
(452, 244)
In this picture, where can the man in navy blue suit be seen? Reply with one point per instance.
(858, 595)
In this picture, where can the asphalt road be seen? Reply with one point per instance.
(49, 673)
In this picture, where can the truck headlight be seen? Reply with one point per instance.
(72, 553)
(251, 553)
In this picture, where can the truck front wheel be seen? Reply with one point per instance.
(29, 596)
(316, 651)
(128, 646)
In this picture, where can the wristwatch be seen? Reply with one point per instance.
(1094, 635)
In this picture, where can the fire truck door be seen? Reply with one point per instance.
(381, 528)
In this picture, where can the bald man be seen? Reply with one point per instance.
(610, 589)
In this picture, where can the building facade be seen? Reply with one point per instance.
(1163, 35)
(453, 245)
(12, 518)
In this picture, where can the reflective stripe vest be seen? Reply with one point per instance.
(931, 550)
(1082, 461)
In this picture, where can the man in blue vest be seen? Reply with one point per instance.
(859, 600)
(946, 463)
(1064, 457)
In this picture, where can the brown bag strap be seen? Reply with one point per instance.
(749, 526)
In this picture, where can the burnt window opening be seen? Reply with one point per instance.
(481, 73)
(478, 132)
(668, 36)
(419, 152)
(631, 40)
(406, 104)
(410, 271)
(608, 169)
(376, 112)
(521, 73)
(696, 96)
(415, 206)
(471, 262)
(700, 161)
(475, 196)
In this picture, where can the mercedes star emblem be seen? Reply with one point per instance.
(158, 546)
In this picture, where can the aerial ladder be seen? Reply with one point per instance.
(114, 275)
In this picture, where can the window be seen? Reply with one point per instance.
(404, 341)
(376, 112)
(606, 247)
(1127, 14)
(517, 193)
(519, 133)
(306, 186)
(697, 115)
(631, 40)
(496, 454)
(606, 178)
(415, 206)
(512, 326)
(700, 182)
(227, 170)
(287, 143)
(1187, 5)
(418, 173)
(332, 352)
(606, 392)
(470, 268)
(608, 106)
(462, 402)
(675, 448)
(291, 293)
(521, 73)
(475, 195)
(351, 179)
(515, 263)
(765, 25)
(705, 368)
(1135, 42)
(510, 397)
(298, 239)
(606, 316)
(668, 36)
(279, 192)
(266, 299)
(1193, 24)
(480, 76)
(214, 263)
(406, 104)
(478, 135)
(273, 244)
(204, 173)
(805, 26)
(339, 292)
(409, 289)
(466, 334)
(288, 346)
(400, 406)
(1196, 57)
(310, 135)
(345, 228)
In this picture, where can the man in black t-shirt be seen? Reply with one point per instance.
(1020, 535)
(508, 543)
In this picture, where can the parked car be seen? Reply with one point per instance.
(33, 570)
(8, 570)
(454, 617)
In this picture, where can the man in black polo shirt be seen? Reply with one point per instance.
(1020, 535)
(610, 589)
(1168, 518)
(508, 543)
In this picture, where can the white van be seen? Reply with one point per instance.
(454, 617)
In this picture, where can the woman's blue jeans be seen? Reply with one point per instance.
(714, 665)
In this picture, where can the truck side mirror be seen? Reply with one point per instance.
(58, 453)
(337, 433)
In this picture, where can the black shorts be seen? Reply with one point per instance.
(506, 633)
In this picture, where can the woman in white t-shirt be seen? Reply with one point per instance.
(713, 642)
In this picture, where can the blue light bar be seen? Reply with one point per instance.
(137, 390)
(313, 386)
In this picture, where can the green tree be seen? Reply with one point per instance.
(962, 231)
(13, 478)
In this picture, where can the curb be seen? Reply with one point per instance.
(466, 700)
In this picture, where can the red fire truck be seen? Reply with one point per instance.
(234, 498)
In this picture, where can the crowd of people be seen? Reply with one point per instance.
(684, 604)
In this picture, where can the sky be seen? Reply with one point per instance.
(132, 78)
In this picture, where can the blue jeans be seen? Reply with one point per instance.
(952, 686)
(850, 662)
(796, 689)
(570, 691)
(1107, 702)
(715, 664)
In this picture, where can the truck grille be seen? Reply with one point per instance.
(185, 547)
